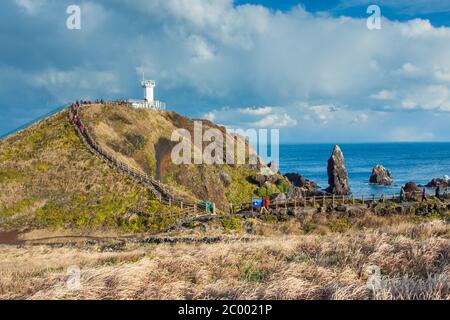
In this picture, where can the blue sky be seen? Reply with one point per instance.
(311, 68)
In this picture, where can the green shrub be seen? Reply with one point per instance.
(136, 140)
(253, 275)
(231, 223)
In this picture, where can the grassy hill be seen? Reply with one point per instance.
(48, 179)
(141, 138)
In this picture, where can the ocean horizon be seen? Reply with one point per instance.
(408, 161)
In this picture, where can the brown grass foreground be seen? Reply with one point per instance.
(413, 258)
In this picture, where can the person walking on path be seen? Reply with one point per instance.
(402, 195)
(438, 192)
(424, 195)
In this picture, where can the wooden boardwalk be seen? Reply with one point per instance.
(162, 193)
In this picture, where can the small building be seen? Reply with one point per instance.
(149, 101)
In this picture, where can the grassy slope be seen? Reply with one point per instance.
(141, 138)
(49, 179)
(274, 266)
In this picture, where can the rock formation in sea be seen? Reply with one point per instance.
(337, 173)
(380, 175)
(438, 182)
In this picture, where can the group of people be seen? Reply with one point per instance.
(74, 114)
(403, 195)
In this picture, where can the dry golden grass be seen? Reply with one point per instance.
(414, 263)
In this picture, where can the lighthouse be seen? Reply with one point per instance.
(149, 101)
(148, 86)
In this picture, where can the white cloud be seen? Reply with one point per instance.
(433, 97)
(31, 6)
(360, 118)
(256, 111)
(384, 95)
(209, 54)
(209, 116)
(275, 121)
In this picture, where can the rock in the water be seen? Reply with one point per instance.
(337, 173)
(437, 182)
(380, 175)
(411, 187)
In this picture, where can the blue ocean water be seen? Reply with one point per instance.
(418, 162)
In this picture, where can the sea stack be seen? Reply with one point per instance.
(337, 173)
(381, 176)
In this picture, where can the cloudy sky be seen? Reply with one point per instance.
(311, 68)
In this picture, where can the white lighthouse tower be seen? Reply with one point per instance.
(148, 86)
(149, 101)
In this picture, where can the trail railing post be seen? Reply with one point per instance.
(353, 200)
(195, 209)
(323, 200)
(333, 200)
(276, 204)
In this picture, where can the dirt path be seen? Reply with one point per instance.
(10, 238)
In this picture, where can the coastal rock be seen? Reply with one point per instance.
(258, 179)
(273, 167)
(337, 173)
(280, 197)
(296, 179)
(226, 179)
(411, 187)
(299, 181)
(295, 193)
(437, 182)
(380, 175)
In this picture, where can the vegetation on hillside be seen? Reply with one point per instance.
(49, 179)
(141, 138)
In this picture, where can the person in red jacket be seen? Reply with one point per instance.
(266, 203)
